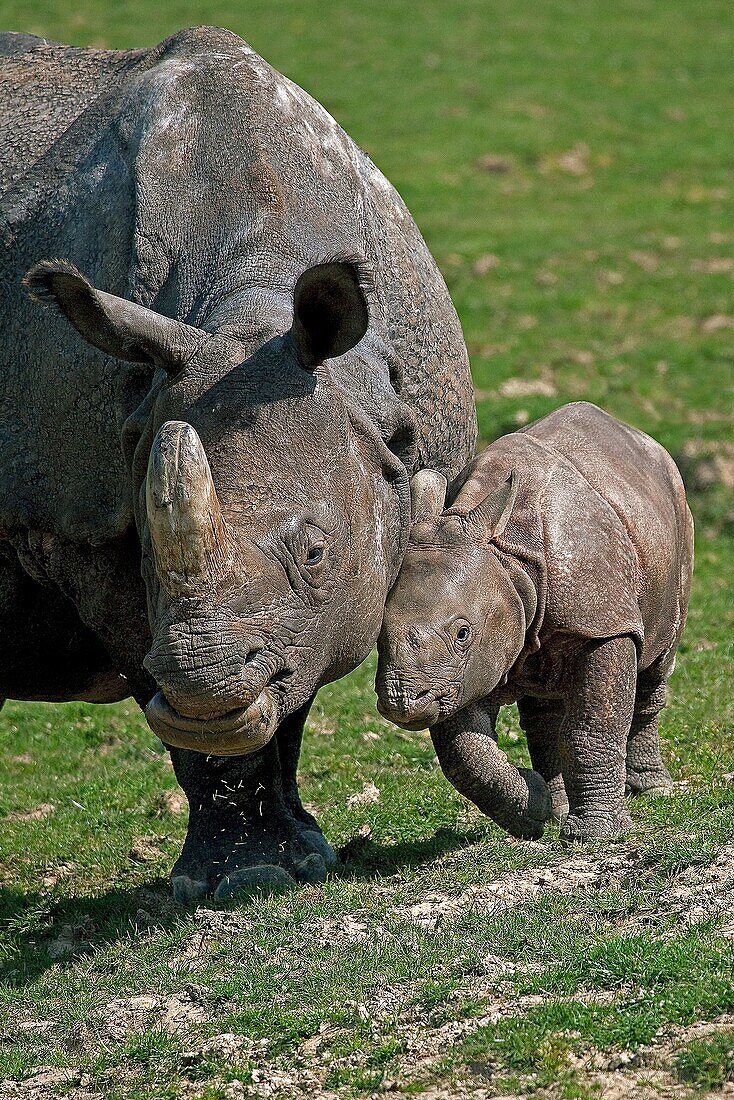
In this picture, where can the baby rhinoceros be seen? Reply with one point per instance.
(558, 578)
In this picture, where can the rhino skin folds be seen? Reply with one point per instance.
(208, 433)
(554, 572)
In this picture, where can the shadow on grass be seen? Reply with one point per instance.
(362, 857)
(38, 932)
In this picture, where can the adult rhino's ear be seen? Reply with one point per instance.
(114, 325)
(428, 494)
(330, 314)
(492, 515)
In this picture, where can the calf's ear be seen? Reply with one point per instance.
(116, 326)
(491, 516)
(330, 314)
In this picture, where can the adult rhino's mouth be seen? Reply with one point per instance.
(236, 733)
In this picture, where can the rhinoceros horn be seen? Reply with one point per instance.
(428, 493)
(187, 530)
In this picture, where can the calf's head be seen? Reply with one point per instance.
(272, 512)
(454, 621)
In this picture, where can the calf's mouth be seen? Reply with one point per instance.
(417, 710)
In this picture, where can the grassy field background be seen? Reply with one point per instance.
(570, 165)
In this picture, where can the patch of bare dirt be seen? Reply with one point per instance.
(37, 813)
(648, 261)
(515, 888)
(71, 940)
(174, 1014)
(345, 929)
(229, 1046)
(494, 163)
(171, 802)
(717, 322)
(214, 928)
(144, 849)
(698, 893)
(47, 1082)
(180, 1014)
(484, 264)
(368, 796)
(528, 387)
(647, 1073)
(572, 162)
(715, 265)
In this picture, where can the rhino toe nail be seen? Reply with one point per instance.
(311, 869)
(187, 890)
(321, 846)
(263, 878)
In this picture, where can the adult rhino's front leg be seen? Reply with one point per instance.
(518, 799)
(599, 707)
(247, 827)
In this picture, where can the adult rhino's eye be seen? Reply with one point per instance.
(315, 555)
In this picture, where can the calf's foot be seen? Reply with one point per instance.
(595, 825)
(649, 782)
(646, 773)
(517, 799)
(542, 720)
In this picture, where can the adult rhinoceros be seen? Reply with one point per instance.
(204, 488)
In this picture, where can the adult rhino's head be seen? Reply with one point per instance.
(272, 511)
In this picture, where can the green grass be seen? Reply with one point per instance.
(707, 1063)
(593, 260)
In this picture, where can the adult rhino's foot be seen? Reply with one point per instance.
(596, 825)
(651, 783)
(247, 828)
(256, 857)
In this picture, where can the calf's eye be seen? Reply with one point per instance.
(462, 634)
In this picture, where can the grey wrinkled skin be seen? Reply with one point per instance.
(555, 574)
(208, 432)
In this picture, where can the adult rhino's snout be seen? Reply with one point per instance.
(225, 707)
(204, 676)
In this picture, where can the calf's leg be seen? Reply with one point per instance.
(593, 740)
(541, 721)
(516, 798)
(646, 773)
